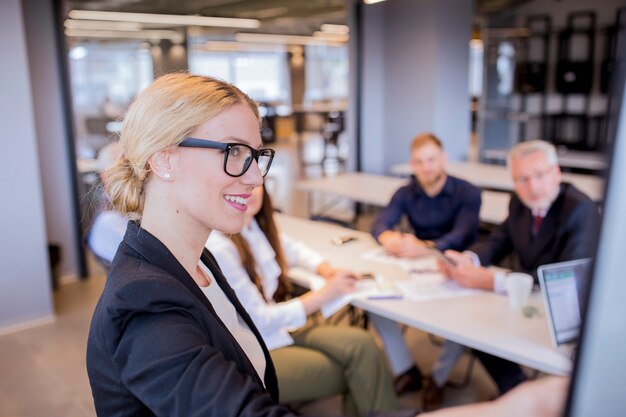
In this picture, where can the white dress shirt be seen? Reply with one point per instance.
(274, 320)
(499, 277)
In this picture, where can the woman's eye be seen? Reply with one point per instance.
(235, 152)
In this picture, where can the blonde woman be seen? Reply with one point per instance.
(169, 336)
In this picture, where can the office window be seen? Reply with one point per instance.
(326, 73)
(215, 64)
(104, 77)
(117, 71)
(262, 75)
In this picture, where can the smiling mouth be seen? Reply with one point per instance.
(238, 202)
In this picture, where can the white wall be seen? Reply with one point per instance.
(415, 68)
(25, 285)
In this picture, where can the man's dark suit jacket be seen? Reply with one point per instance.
(568, 232)
(157, 347)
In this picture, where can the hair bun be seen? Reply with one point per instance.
(125, 187)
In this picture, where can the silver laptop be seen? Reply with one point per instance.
(562, 286)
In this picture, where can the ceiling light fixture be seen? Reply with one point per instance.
(284, 39)
(153, 35)
(333, 37)
(165, 19)
(338, 29)
(100, 25)
(241, 46)
(372, 1)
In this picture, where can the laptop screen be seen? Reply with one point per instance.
(562, 285)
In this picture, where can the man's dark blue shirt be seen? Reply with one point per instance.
(450, 219)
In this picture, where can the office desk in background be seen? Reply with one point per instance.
(482, 321)
(377, 190)
(498, 177)
(582, 160)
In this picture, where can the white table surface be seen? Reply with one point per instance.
(482, 321)
(377, 190)
(498, 177)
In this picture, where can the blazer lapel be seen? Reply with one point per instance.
(157, 254)
(522, 230)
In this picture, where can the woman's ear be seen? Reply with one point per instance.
(161, 164)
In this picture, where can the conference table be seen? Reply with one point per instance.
(481, 320)
(377, 190)
(498, 177)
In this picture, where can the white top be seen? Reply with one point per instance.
(106, 234)
(235, 324)
(274, 320)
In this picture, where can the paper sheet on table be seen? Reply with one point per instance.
(425, 282)
(374, 288)
(422, 287)
(422, 265)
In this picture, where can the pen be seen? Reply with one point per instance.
(385, 297)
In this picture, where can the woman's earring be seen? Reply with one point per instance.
(167, 175)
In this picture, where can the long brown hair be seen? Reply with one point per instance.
(265, 220)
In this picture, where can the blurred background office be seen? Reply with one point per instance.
(344, 86)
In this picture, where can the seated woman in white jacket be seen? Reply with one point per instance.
(312, 361)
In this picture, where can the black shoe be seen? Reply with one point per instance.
(432, 396)
(410, 380)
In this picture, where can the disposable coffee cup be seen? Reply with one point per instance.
(518, 287)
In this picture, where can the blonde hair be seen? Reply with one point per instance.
(424, 138)
(532, 146)
(160, 118)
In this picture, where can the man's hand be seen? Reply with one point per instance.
(403, 245)
(459, 258)
(465, 273)
(542, 397)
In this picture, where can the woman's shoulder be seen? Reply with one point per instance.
(137, 285)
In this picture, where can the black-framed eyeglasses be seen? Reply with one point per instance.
(237, 156)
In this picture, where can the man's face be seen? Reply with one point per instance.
(536, 181)
(428, 163)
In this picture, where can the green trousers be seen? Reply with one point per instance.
(330, 360)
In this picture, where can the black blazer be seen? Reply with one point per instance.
(157, 347)
(568, 232)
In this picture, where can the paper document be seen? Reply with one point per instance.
(431, 286)
(377, 288)
(423, 264)
(425, 281)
